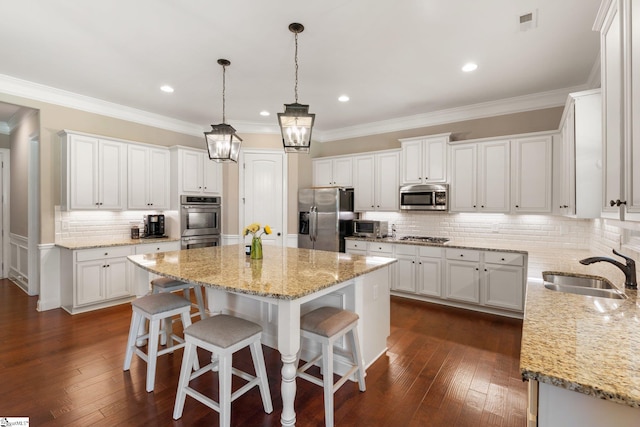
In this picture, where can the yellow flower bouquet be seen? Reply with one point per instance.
(256, 240)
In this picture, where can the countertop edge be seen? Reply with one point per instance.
(449, 245)
(75, 245)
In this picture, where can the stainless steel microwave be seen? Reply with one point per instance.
(424, 197)
(370, 229)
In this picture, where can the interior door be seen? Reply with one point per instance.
(263, 191)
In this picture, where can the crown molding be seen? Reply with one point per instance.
(518, 104)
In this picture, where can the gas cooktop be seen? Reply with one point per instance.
(426, 239)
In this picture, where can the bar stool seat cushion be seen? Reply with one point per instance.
(159, 303)
(222, 330)
(165, 282)
(327, 321)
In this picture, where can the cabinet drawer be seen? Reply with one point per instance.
(105, 252)
(148, 248)
(406, 250)
(504, 258)
(430, 251)
(356, 245)
(463, 254)
(381, 248)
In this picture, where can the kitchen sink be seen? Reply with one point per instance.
(582, 285)
(582, 281)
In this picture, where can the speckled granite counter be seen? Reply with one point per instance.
(585, 344)
(484, 246)
(284, 273)
(100, 243)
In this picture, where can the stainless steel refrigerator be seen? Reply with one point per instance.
(325, 217)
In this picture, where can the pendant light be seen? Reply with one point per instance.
(222, 142)
(296, 122)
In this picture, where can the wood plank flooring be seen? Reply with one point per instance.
(444, 367)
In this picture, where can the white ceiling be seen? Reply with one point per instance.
(395, 59)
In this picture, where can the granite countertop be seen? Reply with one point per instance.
(101, 243)
(585, 344)
(485, 246)
(283, 273)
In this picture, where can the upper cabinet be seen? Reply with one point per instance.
(578, 169)
(424, 159)
(148, 179)
(193, 173)
(619, 25)
(336, 171)
(94, 172)
(375, 181)
(531, 172)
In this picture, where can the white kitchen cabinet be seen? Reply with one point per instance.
(429, 280)
(376, 181)
(148, 177)
(578, 171)
(424, 159)
(193, 173)
(531, 174)
(329, 172)
(406, 268)
(503, 276)
(95, 278)
(462, 272)
(357, 247)
(94, 172)
(480, 177)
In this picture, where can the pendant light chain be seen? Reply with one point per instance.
(296, 67)
(224, 85)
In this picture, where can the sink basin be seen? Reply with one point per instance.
(588, 291)
(582, 281)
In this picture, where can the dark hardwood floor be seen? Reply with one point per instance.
(444, 367)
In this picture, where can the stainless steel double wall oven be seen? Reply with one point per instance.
(200, 221)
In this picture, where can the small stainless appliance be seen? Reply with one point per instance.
(154, 226)
(424, 197)
(200, 221)
(371, 229)
(325, 217)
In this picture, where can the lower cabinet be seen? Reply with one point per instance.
(477, 279)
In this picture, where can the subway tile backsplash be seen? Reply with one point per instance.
(86, 225)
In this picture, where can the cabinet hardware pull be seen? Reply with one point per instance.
(502, 259)
(106, 253)
(461, 255)
(517, 206)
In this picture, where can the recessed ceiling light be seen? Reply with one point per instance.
(343, 98)
(469, 66)
(265, 113)
(166, 88)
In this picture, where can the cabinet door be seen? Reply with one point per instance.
(212, 177)
(343, 172)
(430, 276)
(632, 155)
(191, 163)
(138, 177)
(462, 281)
(364, 183)
(387, 181)
(322, 172)
(494, 177)
(504, 286)
(405, 274)
(83, 172)
(89, 282)
(159, 179)
(435, 160)
(611, 60)
(531, 171)
(463, 178)
(412, 162)
(567, 177)
(113, 174)
(116, 284)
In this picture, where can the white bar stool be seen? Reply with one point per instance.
(326, 325)
(155, 308)
(222, 335)
(165, 284)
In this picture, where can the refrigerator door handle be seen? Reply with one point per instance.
(313, 218)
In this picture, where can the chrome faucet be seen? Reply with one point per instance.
(629, 269)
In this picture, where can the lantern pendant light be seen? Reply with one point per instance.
(222, 142)
(296, 122)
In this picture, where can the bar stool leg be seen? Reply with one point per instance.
(152, 353)
(327, 379)
(357, 355)
(188, 358)
(224, 379)
(261, 371)
(131, 341)
(200, 300)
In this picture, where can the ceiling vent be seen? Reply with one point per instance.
(528, 21)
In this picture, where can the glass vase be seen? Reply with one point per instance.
(256, 248)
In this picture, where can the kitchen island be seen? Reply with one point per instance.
(581, 355)
(276, 290)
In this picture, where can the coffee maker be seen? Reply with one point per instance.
(153, 226)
